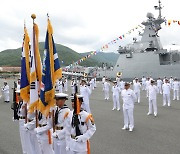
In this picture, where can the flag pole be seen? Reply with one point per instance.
(53, 112)
(33, 16)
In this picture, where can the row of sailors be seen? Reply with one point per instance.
(72, 131)
(91, 83)
(161, 88)
(61, 85)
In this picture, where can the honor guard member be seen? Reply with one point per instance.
(143, 83)
(159, 85)
(95, 84)
(136, 87)
(32, 141)
(106, 87)
(116, 90)
(22, 115)
(171, 80)
(65, 84)
(166, 93)
(61, 115)
(129, 98)
(44, 135)
(81, 128)
(147, 85)
(5, 92)
(153, 90)
(175, 88)
(164, 80)
(85, 92)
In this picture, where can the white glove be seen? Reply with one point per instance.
(67, 148)
(79, 138)
(54, 135)
(26, 127)
(38, 130)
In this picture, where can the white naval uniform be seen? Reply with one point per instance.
(136, 88)
(92, 84)
(5, 92)
(106, 87)
(59, 139)
(171, 80)
(73, 87)
(143, 83)
(129, 98)
(159, 86)
(176, 86)
(78, 144)
(153, 90)
(66, 85)
(121, 85)
(103, 80)
(147, 85)
(166, 93)
(43, 138)
(85, 92)
(95, 84)
(33, 146)
(21, 114)
(116, 102)
(60, 86)
(57, 86)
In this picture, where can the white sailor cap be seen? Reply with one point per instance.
(18, 91)
(61, 96)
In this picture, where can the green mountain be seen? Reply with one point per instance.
(11, 57)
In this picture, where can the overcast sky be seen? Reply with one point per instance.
(84, 25)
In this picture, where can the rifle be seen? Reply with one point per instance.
(15, 105)
(75, 119)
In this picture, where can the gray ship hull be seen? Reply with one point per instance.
(142, 64)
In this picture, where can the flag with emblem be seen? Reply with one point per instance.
(51, 71)
(35, 70)
(25, 68)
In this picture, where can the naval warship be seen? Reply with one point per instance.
(146, 57)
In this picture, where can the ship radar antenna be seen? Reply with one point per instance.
(159, 8)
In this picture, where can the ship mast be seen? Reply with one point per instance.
(159, 8)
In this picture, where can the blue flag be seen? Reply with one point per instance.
(51, 71)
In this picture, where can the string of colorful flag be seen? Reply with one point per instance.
(105, 47)
(173, 21)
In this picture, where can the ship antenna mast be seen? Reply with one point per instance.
(159, 8)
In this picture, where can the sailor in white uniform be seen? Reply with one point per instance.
(106, 87)
(147, 85)
(121, 84)
(44, 135)
(61, 115)
(103, 79)
(171, 80)
(166, 87)
(85, 92)
(159, 85)
(143, 83)
(153, 90)
(116, 91)
(136, 88)
(73, 83)
(65, 84)
(81, 128)
(129, 98)
(60, 86)
(5, 92)
(22, 114)
(175, 87)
